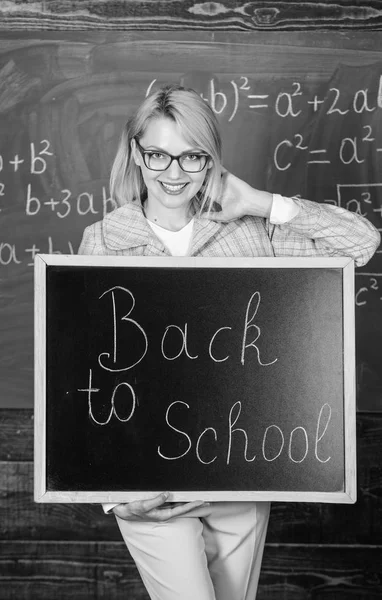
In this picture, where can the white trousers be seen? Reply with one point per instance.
(211, 558)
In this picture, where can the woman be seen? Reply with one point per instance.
(174, 200)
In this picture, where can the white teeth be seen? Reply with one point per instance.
(173, 187)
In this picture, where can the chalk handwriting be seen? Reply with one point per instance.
(65, 203)
(264, 444)
(326, 408)
(362, 198)
(228, 97)
(212, 443)
(16, 162)
(177, 431)
(249, 325)
(232, 420)
(205, 462)
(295, 460)
(315, 103)
(333, 108)
(284, 106)
(212, 342)
(11, 254)
(8, 254)
(183, 346)
(131, 399)
(319, 160)
(271, 443)
(109, 360)
(126, 318)
(34, 163)
(38, 164)
(371, 290)
(349, 150)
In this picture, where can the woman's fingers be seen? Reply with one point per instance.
(155, 509)
(144, 508)
(181, 510)
(151, 503)
(137, 508)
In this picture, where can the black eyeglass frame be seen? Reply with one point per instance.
(145, 152)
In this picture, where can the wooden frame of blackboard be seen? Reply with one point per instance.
(42, 264)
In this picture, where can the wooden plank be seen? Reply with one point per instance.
(25, 519)
(39, 376)
(350, 381)
(176, 14)
(16, 434)
(32, 570)
(62, 570)
(353, 41)
(320, 572)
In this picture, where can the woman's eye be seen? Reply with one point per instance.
(191, 157)
(157, 155)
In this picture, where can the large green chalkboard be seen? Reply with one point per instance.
(300, 114)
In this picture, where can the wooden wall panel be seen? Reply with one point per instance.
(90, 570)
(25, 519)
(225, 15)
(60, 570)
(307, 572)
(16, 435)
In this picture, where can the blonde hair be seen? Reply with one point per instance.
(197, 123)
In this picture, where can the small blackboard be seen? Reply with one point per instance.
(217, 379)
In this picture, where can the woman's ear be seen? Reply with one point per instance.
(134, 152)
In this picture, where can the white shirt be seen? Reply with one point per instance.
(177, 242)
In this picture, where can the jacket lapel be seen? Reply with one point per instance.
(126, 228)
(204, 230)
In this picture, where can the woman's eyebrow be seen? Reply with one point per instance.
(153, 147)
(188, 151)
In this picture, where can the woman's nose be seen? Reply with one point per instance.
(174, 171)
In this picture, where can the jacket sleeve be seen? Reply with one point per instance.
(325, 230)
(108, 506)
(92, 240)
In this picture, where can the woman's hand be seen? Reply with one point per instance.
(239, 199)
(156, 510)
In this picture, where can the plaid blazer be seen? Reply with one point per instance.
(317, 230)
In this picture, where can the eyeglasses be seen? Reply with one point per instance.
(160, 161)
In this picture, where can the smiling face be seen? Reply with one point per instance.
(173, 189)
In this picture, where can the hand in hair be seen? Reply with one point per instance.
(239, 199)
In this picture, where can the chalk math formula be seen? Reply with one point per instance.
(50, 209)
